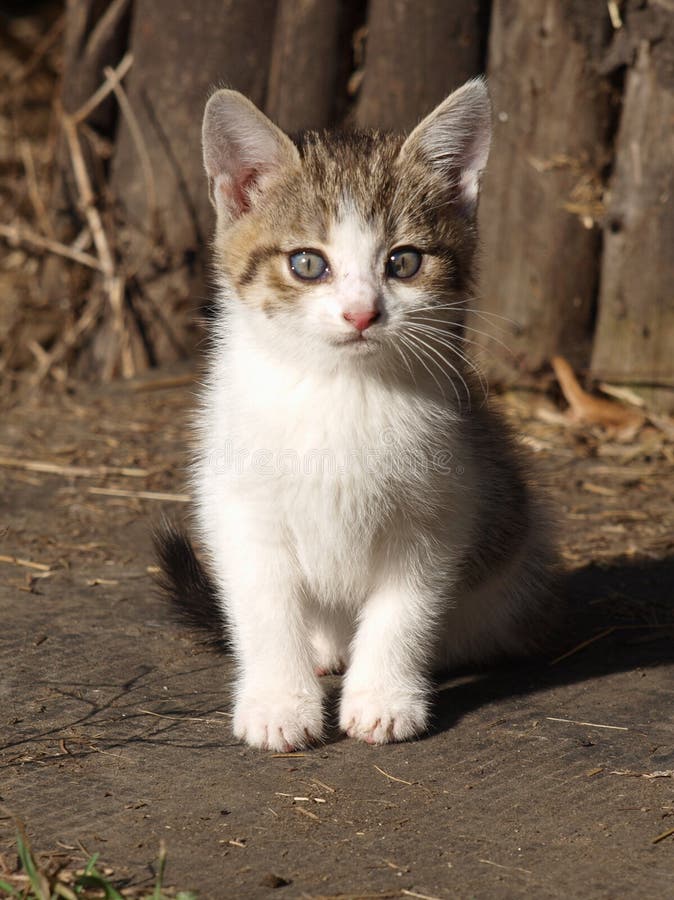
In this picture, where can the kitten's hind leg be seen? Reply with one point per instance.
(331, 633)
(508, 613)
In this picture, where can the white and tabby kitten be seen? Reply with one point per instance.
(361, 507)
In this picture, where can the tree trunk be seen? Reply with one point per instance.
(304, 64)
(417, 53)
(636, 301)
(96, 36)
(542, 185)
(180, 53)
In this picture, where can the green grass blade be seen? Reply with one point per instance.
(8, 889)
(161, 865)
(36, 879)
(91, 864)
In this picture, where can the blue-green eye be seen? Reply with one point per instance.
(308, 265)
(403, 263)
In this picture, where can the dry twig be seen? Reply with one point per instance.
(24, 563)
(69, 340)
(36, 465)
(18, 234)
(34, 194)
(583, 644)
(112, 282)
(148, 712)
(393, 777)
(592, 410)
(661, 837)
(141, 495)
(104, 90)
(588, 724)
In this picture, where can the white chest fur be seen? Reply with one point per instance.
(342, 463)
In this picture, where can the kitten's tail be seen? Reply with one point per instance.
(187, 585)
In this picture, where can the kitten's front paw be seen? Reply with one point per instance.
(378, 717)
(276, 720)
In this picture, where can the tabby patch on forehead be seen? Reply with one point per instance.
(257, 256)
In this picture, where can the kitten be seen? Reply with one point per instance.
(361, 507)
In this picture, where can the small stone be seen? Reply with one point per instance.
(274, 881)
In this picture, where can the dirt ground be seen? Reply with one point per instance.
(550, 778)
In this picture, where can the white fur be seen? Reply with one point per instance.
(336, 492)
(326, 512)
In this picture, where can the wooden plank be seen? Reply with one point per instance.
(96, 36)
(304, 64)
(416, 54)
(635, 328)
(541, 245)
(181, 53)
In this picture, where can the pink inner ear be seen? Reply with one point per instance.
(242, 187)
(235, 189)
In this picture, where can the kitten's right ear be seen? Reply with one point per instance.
(242, 150)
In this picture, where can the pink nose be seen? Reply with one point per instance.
(362, 320)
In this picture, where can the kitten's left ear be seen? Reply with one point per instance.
(454, 140)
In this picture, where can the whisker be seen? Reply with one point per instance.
(466, 303)
(490, 337)
(486, 316)
(406, 361)
(464, 306)
(410, 347)
(447, 363)
(486, 334)
(446, 340)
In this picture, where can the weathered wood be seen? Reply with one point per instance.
(542, 199)
(95, 37)
(542, 185)
(181, 52)
(304, 64)
(416, 54)
(635, 330)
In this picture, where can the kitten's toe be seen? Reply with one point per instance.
(278, 721)
(378, 718)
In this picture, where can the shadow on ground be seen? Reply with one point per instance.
(616, 618)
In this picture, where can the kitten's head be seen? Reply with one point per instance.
(350, 245)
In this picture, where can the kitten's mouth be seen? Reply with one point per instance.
(356, 342)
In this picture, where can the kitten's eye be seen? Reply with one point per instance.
(403, 263)
(308, 265)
